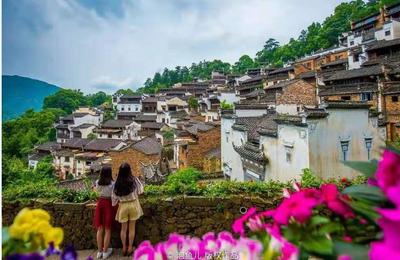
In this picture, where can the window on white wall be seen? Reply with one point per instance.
(368, 146)
(288, 154)
(345, 149)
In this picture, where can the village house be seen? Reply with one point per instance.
(286, 97)
(75, 157)
(118, 129)
(41, 151)
(144, 151)
(278, 75)
(251, 84)
(212, 160)
(81, 122)
(381, 26)
(278, 147)
(193, 141)
(149, 106)
(130, 103)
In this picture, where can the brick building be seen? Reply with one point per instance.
(144, 151)
(193, 141)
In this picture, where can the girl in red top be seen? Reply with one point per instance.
(103, 216)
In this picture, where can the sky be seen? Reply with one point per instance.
(105, 45)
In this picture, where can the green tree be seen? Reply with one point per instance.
(193, 102)
(98, 99)
(244, 63)
(65, 99)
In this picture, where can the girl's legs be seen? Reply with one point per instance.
(132, 226)
(107, 237)
(124, 229)
(99, 237)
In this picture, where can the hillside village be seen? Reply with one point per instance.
(334, 105)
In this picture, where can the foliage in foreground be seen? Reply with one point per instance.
(296, 229)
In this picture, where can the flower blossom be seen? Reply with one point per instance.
(335, 201)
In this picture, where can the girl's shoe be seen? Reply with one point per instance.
(99, 255)
(107, 253)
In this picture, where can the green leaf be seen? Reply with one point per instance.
(365, 209)
(318, 220)
(330, 228)
(366, 168)
(365, 192)
(318, 244)
(356, 252)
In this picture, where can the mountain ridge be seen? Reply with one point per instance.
(21, 93)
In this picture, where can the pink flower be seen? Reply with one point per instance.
(389, 247)
(363, 221)
(299, 206)
(238, 224)
(335, 201)
(287, 250)
(388, 172)
(344, 257)
(347, 239)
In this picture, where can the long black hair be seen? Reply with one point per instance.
(105, 176)
(125, 182)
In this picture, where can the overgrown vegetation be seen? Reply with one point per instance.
(183, 182)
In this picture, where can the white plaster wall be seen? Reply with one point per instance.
(87, 119)
(341, 124)
(238, 139)
(129, 107)
(85, 132)
(228, 97)
(290, 109)
(393, 27)
(227, 152)
(289, 137)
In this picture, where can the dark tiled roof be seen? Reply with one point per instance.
(356, 73)
(202, 127)
(251, 152)
(315, 112)
(393, 89)
(102, 144)
(281, 70)
(348, 89)
(213, 153)
(178, 114)
(61, 126)
(80, 114)
(77, 143)
(290, 119)
(37, 156)
(255, 125)
(116, 123)
(282, 84)
(383, 44)
(152, 125)
(68, 117)
(334, 63)
(49, 146)
(132, 96)
(82, 126)
(347, 104)
(148, 146)
(144, 118)
(150, 100)
(64, 153)
(307, 75)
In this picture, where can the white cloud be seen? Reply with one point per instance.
(74, 46)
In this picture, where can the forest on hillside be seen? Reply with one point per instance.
(315, 37)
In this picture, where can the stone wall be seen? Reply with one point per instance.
(185, 215)
(299, 93)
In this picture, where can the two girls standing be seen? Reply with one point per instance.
(124, 192)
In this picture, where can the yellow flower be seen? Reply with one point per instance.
(24, 216)
(40, 214)
(16, 231)
(55, 235)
